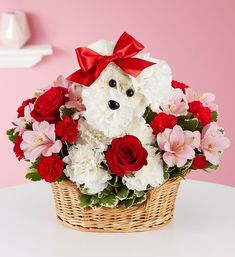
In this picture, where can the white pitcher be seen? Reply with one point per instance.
(14, 29)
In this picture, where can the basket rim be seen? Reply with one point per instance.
(68, 183)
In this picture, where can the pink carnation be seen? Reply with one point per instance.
(178, 145)
(41, 140)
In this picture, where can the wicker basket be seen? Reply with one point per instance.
(156, 212)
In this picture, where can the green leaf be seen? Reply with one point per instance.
(32, 174)
(215, 116)
(149, 115)
(37, 94)
(166, 174)
(123, 193)
(141, 199)
(109, 201)
(129, 202)
(187, 166)
(95, 200)
(188, 124)
(181, 172)
(29, 126)
(176, 173)
(131, 194)
(12, 135)
(85, 201)
(139, 193)
(103, 194)
(61, 178)
(113, 180)
(118, 183)
(211, 166)
(66, 112)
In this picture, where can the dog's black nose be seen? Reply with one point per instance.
(113, 105)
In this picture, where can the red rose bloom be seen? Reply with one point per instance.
(67, 129)
(125, 155)
(50, 168)
(18, 152)
(48, 104)
(20, 110)
(199, 162)
(162, 121)
(203, 114)
(176, 84)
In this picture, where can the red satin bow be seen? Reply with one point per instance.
(92, 63)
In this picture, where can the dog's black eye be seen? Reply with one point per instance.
(112, 83)
(130, 92)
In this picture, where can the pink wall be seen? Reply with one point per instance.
(196, 38)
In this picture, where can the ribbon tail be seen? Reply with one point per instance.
(133, 66)
(85, 78)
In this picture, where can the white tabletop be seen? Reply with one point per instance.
(204, 225)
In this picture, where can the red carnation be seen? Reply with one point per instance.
(20, 110)
(176, 84)
(162, 121)
(199, 162)
(67, 129)
(50, 168)
(48, 104)
(125, 155)
(18, 152)
(203, 114)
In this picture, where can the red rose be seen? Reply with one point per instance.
(50, 168)
(125, 155)
(20, 110)
(176, 84)
(203, 114)
(162, 121)
(199, 162)
(48, 104)
(67, 129)
(18, 152)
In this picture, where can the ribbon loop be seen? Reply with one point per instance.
(92, 63)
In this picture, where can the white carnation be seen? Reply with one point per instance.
(142, 130)
(103, 47)
(154, 83)
(151, 174)
(89, 135)
(83, 168)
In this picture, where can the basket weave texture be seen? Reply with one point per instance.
(154, 213)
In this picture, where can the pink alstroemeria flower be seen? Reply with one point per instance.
(75, 92)
(21, 122)
(178, 145)
(177, 104)
(207, 99)
(75, 99)
(213, 143)
(41, 140)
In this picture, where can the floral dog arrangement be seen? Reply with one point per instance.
(118, 127)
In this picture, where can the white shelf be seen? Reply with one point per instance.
(25, 57)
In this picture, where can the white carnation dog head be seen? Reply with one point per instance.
(116, 99)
